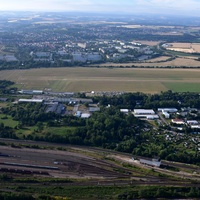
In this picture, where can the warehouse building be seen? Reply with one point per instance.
(145, 113)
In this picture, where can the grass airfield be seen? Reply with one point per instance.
(79, 79)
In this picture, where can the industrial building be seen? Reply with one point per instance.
(55, 108)
(166, 111)
(145, 113)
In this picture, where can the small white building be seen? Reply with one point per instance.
(78, 113)
(85, 115)
(166, 114)
(192, 122)
(195, 126)
(151, 162)
(125, 111)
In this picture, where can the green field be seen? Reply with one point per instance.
(8, 121)
(183, 87)
(59, 130)
(86, 79)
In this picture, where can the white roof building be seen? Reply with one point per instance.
(151, 162)
(85, 115)
(152, 117)
(31, 92)
(166, 114)
(144, 112)
(124, 111)
(178, 121)
(30, 101)
(195, 126)
(170, 110)
(192, 122)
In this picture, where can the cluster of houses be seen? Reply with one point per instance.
(113, 50)
(194, 124)
(166, 113)
(150, 113)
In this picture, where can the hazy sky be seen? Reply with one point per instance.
(181, 7)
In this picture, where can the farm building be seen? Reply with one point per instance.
(151, 162)
(31, 92)
(63, 94)
(30, 101)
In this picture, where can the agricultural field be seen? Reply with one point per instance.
(87, 79)
(185, 47)
(159, 59)
(177, 62)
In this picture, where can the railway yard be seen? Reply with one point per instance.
(88, 166)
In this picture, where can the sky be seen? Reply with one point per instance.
(171, 7)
